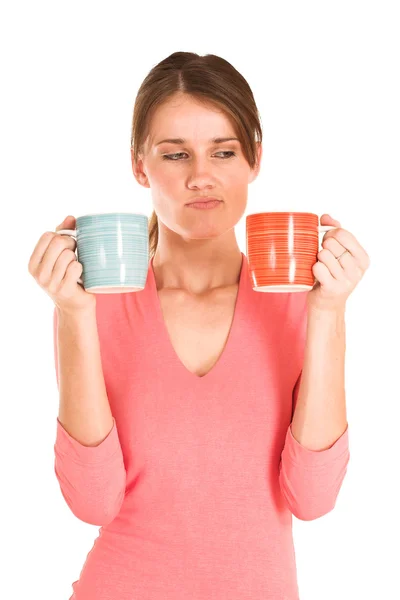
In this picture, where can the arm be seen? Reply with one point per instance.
(88, 457)
(320, 412)
(316, 452)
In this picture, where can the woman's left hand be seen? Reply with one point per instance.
(336, 279)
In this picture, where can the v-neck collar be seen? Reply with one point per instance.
(165, 341)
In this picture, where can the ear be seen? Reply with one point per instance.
(138, 170)
(255, 171)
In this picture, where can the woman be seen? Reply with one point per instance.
(176, 402)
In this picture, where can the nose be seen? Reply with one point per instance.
(201, 173)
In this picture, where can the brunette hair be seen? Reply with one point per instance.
(210, 79)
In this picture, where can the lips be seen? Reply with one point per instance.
(205, 199)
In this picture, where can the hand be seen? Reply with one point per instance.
(336, 279)
(54, 266)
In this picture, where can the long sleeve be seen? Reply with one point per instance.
(92, 479)
(310, 480)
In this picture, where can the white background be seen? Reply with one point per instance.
(325, 76)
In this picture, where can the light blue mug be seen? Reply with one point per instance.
(113, 249)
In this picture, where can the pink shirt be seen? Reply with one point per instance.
(195, 486)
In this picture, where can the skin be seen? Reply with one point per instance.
(197, 250)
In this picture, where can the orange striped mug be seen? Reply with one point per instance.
(281, 248)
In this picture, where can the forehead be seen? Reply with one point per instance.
(187, 118)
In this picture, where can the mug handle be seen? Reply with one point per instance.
(72, 233)
(321, 228)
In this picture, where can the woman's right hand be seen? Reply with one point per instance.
(55, 267)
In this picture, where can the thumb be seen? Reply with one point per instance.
(68, 223)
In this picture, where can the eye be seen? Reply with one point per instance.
(168, 156)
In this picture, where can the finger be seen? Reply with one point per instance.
(333, 245)
(328, 220)
(345, 238)
(39, 251)
(68, 223)
(44, 241)
(327, 258)
(72, 274)
(60, 270)
(47, 250)
(334, 220)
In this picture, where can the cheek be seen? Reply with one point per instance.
(235, 184)
(164, 178)
(237, 174)
(235, 200)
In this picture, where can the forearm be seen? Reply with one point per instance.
(319, 417)
(84, 410)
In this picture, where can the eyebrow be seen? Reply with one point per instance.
(217, 140)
